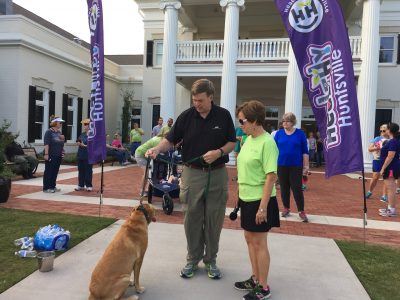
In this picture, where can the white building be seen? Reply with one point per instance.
(241, 45)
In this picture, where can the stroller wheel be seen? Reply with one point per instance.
(150, 194)
(167, 204)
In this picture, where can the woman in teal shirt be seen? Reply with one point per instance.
(257, 167)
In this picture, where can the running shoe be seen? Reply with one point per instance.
(79, 188)
(303, 216)
(246, 285)
(258, 293)
(388, 213)
(384, 199)
(89, 189)
(212, 271)
(368, 194)
(188, 271)
(285, 213)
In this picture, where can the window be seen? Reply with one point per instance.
(41, 113)
(158, 53)
(135, 116)
(387, 49)
(307, 113)
(72, 118)
(271, 118)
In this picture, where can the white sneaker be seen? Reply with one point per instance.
(49, 191)
(89, 189)
(78, 188)
(125, 163)
(388, 213)
(57, 190)
(398, 191)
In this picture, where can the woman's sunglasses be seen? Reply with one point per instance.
(242, 121)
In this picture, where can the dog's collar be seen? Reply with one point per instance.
(144, 211)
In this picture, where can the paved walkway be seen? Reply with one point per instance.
(302, 268)
(306, 263)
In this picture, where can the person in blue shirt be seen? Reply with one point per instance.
(390, 170)
(85, 170)
(293, 163)
(53, 153)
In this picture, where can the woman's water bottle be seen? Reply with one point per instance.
(26, 253)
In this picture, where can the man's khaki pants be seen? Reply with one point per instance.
(204, 217)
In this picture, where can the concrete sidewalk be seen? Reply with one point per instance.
(301, 268)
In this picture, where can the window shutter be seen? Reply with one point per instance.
(52, 103)
(31, 114)
(65, 115)
(398, 49)
(79, 127)
(149, 54)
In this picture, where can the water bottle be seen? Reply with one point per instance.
(26, 253)
(28, 244)
(19, 242)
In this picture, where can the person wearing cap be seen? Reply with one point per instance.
(85, 170)
(53, 153)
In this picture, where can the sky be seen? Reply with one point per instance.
(123, 26)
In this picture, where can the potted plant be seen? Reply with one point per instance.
(5, 172)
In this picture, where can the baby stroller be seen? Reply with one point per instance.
(164, 166)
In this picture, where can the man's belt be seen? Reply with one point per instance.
(205, 168)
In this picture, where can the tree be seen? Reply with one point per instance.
(127, 96)
(6, 138)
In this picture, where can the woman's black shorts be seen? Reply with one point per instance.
(391, 173)
(248, 211)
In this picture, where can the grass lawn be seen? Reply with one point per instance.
(377, 268)
(15, 224)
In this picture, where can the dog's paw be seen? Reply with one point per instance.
(140, 289)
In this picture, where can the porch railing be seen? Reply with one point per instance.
(255, 50)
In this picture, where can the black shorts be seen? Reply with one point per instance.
(248, 211)
(393, 173)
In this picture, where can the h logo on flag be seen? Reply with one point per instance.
(306, 15)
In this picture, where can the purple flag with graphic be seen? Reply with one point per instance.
(320, 42)
(97, 132)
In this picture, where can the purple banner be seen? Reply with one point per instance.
(320, 42)
(97, 133)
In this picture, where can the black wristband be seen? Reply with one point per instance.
(222, 151)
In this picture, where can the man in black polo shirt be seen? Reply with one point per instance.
(208, 136)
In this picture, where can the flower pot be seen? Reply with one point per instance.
(5, 189)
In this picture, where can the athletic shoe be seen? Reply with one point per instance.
(258, 293)
(188, 271)
(246, 285)
(384, 199)
(89, 189)
(49, 191)
(368, 194)
(78, 188)
(285, 212)
(303, 187)
(388, 213)
(303, 216)
(383, 209)
(212, 271)
(398, 191)
(125, 163)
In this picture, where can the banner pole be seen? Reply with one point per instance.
(365, 205)
(101, 186)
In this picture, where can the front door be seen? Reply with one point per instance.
(382, 116)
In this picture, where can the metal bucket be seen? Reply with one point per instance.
(46, 260)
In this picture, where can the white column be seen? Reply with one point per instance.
(294, 89)
(368, 80)
(168, 79)
(231, 37)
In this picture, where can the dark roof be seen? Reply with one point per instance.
(126, 59)
(18, 10)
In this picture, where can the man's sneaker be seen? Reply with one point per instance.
(388, 213)
(383, 209)
(384, 199)
(57, 190)
(303, 216)
(212, 271)
(89, 189)
(246, 285)
(303, 187)
(368, 194)
(78, 188)
(285, 212)
(398, 191)
(188, 271)
(258, 293)
(49, 191)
